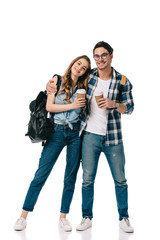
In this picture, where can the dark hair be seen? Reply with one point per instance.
(104, 45)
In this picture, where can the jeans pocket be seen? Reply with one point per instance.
(55, 126)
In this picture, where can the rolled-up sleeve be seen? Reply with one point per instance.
(127, 97)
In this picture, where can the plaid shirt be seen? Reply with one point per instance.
(113, 133)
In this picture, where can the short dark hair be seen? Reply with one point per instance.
(104, 45)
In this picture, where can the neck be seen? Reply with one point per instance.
(105, 74)
(74, 79)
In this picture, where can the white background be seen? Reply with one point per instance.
(40, 38)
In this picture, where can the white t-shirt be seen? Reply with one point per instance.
(97, 122)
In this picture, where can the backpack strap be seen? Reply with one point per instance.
(123, 80)
(122, 83)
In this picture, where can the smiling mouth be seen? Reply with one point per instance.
(101, 63)
(77, 70)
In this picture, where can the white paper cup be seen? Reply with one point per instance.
(98, 95)
(81, 93)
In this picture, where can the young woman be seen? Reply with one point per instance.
(67, 109)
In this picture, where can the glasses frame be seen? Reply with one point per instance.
(102, 56)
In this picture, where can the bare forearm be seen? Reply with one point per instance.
(59, 107)
(52, 107)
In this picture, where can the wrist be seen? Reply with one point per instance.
(71, 106)
(117, 105)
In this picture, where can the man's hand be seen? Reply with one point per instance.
(51, 87)
(106, 103)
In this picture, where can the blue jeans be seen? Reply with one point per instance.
(92, 146)
(62, 136)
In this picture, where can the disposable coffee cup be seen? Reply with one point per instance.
(98, 95)
(81, 93)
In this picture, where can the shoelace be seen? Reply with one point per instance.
(65, 221)
(20, 220)
(127, 221)
(83, 221)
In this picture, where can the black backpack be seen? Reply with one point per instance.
(40, 126)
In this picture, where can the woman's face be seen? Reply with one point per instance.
(79, 67)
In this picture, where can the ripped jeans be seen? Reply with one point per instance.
(92, 146)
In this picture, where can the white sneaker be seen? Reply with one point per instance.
(65, 225)
(125, 225)
(20, 224)
(85, 224)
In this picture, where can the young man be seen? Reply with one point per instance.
(101, 127)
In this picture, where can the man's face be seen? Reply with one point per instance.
(102, 58)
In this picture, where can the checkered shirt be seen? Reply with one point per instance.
(113, 133)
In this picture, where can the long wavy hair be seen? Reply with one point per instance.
(82, 82)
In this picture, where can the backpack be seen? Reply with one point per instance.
(40, 126)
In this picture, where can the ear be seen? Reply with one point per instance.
(111, 56)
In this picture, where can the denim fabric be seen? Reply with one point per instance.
(92, 146)
(71, 116)
(62, 136)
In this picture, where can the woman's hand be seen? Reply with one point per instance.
(78, 103)
(51, 87)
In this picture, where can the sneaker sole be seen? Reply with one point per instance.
(129, 231)
(68, 230)
(18, 229)
(83, 229)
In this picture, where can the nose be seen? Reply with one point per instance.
(100, 58)
(79, 68)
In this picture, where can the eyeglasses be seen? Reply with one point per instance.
(103, 56)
